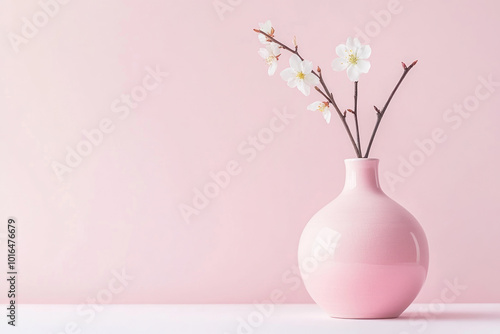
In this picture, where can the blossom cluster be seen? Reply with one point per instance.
(352, 57)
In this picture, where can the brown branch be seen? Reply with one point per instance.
(381, 113)
(328, 95)
(356, 113)
(321, 92)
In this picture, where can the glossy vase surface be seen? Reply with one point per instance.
(363, 255)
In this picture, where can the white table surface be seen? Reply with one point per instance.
(222, 319)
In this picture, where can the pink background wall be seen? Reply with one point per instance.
(119, 206)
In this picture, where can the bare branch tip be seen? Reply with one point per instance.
(376, 109)
(404, 66)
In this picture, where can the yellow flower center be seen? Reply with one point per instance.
(323, 107)
(353, 59)
(270, 60)
(301, 75)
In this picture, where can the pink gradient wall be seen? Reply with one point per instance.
(118, 208)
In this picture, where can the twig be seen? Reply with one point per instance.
(356, 113)
(381, 113)
(327, 94)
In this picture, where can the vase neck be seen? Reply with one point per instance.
(361, 174)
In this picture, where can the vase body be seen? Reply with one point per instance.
(363, 255)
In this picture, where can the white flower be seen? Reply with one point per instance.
(299, 75)
(266, 27)
(270, 54)
(324, 107)
(352, 56)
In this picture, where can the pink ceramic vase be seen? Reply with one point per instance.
(363, 255)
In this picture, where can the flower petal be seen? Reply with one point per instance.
(274, 49)
(272, 68)
(327, 115)
(311, 80)
(350, 44)
(364, 52)
(266, 26)
(292, 83)
(339, 64)
(357, 43)
(263, 39)
(263, 53)
(295, 63)
(306, 66)
(314, 106)
(288, 74)
(353, 73)
(341, 50)
(305, 89)
(363, 66)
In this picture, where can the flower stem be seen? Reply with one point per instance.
(342, 116)
(326, 94)
(382, 112)
(356, 113)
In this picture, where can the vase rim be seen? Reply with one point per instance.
(361, 159)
